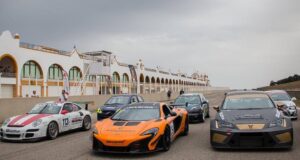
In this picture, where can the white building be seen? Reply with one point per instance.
(25, 68)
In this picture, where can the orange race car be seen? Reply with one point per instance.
(140, 128)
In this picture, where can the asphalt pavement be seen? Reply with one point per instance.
(195, 146)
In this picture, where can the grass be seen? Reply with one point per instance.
(287, 86)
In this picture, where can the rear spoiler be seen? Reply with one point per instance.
(85, 103)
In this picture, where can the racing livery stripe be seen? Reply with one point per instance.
(32, 119)
(17, 119)
(20, 121)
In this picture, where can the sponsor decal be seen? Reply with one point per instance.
(76, 120)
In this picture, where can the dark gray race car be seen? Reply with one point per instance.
(250, 119)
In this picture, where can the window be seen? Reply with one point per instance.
(68, 107)
(166, 111)
(55, 72)
(75, 107)
(31, 70)
(74, 74)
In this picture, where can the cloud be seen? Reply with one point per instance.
(240, 44)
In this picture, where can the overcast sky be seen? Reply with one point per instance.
(238, 43)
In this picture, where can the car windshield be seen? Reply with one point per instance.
(45, 108)
(189, 99)
(137, 113)
(280, 97)
(118, 100)
(247, 101)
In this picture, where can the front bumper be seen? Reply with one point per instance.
(21, 133)
(291, 113)
(248, 139)
(194, 116)
(133, 147)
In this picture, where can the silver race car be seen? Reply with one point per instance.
(281, 97)
(45, 120)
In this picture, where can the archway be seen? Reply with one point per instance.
(8, 69)
(32, 79)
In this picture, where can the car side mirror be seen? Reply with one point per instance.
(173, 113)
(294, 99)
(217, 108)
(64, 112)
(186, 104)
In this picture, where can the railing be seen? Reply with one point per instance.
(7, 74)
(150, 69)
(42, 48)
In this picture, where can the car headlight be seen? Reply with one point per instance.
(278, 123)
(37, 123)
(99, 110)
(224, 124)
(95, 130)
(6, 122)
(152, 131)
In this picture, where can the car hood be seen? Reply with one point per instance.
(112, 107)
(249, 116)
(26, 119)
(121, 129)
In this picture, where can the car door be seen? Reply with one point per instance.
(170, 120)
(76, 116)
(66, 117)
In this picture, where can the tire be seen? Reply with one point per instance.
(202, 117)
(52, 130)
(166, 140)
(86, 123)
(186, 127)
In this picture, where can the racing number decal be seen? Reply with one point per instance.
(66, 121)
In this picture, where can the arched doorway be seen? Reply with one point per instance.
(54, 80)
(142, 83)
(116, 83)
(9, 71)
(75, 75)
(153, 85)
(125, 83)
(147, 85)
(32, 79)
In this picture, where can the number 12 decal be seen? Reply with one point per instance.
(66, 121)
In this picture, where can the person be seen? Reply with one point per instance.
(169, 93)
(181, 92)
(63, 96)
(34, 94)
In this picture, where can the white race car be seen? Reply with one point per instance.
(46, 120)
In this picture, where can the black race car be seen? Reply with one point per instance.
(117, 102)
(196, 105)
(250, 119)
